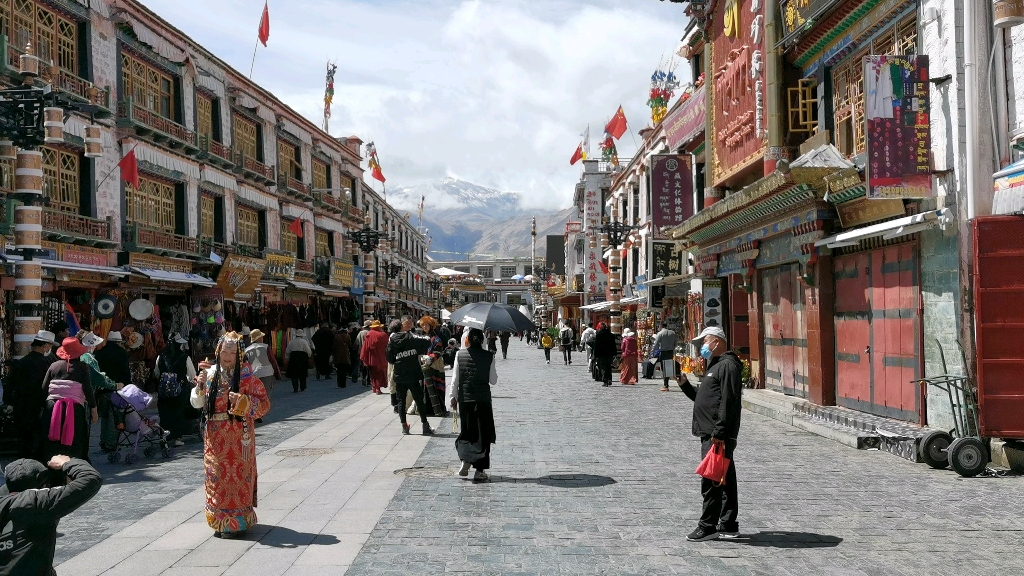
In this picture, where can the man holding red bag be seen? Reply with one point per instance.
(716, 421)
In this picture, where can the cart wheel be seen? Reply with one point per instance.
(149, 451)
(968, 456)
(113, 457)
(933, 449)
(168, 452)
(130, 459)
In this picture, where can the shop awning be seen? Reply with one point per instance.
(176, 277)
(668, 280)
(413, 304)
(632, 300)
(448, 272)
(272, 284)
(306, 286)
(598, 306)
(73, 266)
(336, 293)
(889, 230)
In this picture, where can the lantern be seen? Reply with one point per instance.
(53, 124)
(93, 142)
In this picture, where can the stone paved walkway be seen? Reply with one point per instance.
(586, 480)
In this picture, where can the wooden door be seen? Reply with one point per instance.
(785, 333)
(852, 275)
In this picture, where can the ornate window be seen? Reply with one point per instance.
(54, 38)
(803, 107)
(323, 243)
(206, 217)
(345, 183)
(289, 162)
(485, 272)
(289, 241)
(246, 136)
(508, 271)
(61, 183)
(152, 205)
(148, 87)
(204, 116)
(248, 232)
(321, 175)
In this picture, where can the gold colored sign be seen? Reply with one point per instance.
(847, 178)
(239, 276)
(152, 262)
(280, 267)
(864, 210)
(341, 273)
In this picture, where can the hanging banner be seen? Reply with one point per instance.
(573, 227)
(896, 109)
(687, 121)
(280, 267)
(672, 189)
(239, 276)
(341, 273)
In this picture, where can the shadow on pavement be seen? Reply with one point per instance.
(280, 537)
(560, 480)
(780, 539)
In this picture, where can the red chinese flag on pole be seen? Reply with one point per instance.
(296, 227)
(265, 25)
(577, 155)
(617, 126)
(130, 169)
(377, 174)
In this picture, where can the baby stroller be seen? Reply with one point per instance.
(134, 428)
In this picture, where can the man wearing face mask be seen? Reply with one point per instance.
(24, 389)
(716, 421)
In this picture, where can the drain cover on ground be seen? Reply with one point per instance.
(301, 452)
(426, 472)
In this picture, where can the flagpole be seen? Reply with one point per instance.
(116, 166)
(253, 63)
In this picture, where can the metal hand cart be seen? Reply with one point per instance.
(962, 448)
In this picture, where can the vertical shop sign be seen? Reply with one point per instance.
(358, 280)
(896, 109)
(661, 267)
(594, 278)
(672, 189)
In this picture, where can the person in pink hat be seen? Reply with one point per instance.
(70, 404)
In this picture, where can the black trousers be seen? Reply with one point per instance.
(417, 396)
(547, 354)
(504, 349)
(298, 383)
(721, 505)
(343, 371)
(604, 364)
(567, 354)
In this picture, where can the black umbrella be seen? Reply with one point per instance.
(492, 316)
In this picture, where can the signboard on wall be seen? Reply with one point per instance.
(572, 227)
(736, 84)
(341, 272)
(358, 280)
(280, 266)
(239, 276)
(687, 121)
(713, 309)
(671, 189)
(667, 262)
(898, 135)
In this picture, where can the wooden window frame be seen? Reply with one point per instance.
(154, 205)
(289, 165)
(247, 226)
(54, 37)
(149, 87)
(323, 243)
(62, 182)
(321, 175)
(289, 240)
(207, 216)
(242, 141)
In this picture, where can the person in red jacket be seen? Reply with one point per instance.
(36, 499)
(628, 367)
(373, 356)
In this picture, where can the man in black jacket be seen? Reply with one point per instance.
(23, 390)
(404, 351)
(604, 352)
(716, 421)
(30, 509)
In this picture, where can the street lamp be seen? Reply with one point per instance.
(613, 234)
(31, 116)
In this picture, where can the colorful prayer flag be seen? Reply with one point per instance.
(329, 92)
(576, 155)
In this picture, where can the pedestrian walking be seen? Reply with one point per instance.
(232, 398)
(470, 394)
(37, 498)
(262, 363)
(716, 421)
(102, 386)
(113, 361)
(503, 338)
(492, 341)
(298, 353)
(24, 392)
(433, 368)
(404, 350)
(174, 370)
(372, 355)
(342, 356)
(628, 363)
(353, 350)
(394, 327)
(604, 352)
(323, 346)
(360, 338)
(565, 341)
(547, 343)
(665, 344)
(69, 399)
(586, 337)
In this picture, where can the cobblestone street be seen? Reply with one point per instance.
(585, 480)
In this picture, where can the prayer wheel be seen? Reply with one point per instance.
(28, 227)
(28, 63)
(53, 125)
(93, 142)
(28, 172)
(8, 150)
(369, 285)
(604, 240)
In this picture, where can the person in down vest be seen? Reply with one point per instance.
(470, 394)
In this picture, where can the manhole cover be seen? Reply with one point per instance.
(426, 472)
(301, 452)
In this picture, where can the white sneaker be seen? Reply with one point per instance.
(178, 443)
(549, 361)
(480, 476)
(464, 471)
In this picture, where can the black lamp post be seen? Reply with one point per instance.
(617, 232)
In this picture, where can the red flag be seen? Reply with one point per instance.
(130, 169)
(265, 25)
(617, 126)
(576, 155)
(377, 174)
(296, 227)
(417, 277)
(604, 267)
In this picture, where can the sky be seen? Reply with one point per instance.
(495, 92)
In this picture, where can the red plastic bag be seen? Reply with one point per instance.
(715, 465)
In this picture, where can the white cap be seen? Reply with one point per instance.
(91, 340)
(46, 336)
(114, 336)
(179, 338)
(709, 331)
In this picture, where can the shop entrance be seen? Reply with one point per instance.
(878, 331)
(785, 333)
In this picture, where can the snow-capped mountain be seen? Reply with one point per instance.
(464, 219)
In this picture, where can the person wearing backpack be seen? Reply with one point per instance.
(565, 341)
(547, 343)
(31, 505)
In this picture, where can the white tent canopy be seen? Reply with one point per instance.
(448, 272)
(445, 314)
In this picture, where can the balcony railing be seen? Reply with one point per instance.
(293, 187)
(162, 130)
(215, 152)
(218, 248)
(250, 251)
(354, 212)
(60, 79)
(73, 227)
(253, 169)
(145, 239)
(328, 201)
(304, 266)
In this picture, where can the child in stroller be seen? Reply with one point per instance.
(133, 427)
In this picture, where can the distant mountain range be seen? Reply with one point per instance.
(466, 221)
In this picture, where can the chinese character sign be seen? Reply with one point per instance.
(896, 108)
(672, 189)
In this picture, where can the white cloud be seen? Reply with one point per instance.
(495, 91)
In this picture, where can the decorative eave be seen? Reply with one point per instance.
(825, 32)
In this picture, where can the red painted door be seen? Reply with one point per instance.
(999, 317)
(785, 334)
(878, 325)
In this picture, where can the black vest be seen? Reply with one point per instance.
(474, 375)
